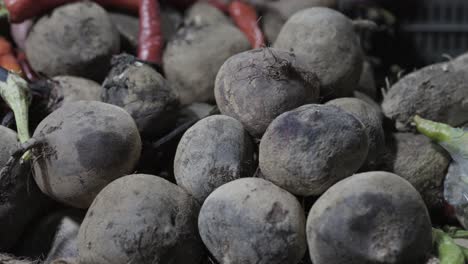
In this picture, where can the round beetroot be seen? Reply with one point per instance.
(258, 85)
(251, 220)
(141, 219)
(373, 217)
(86, 145)
(214, 151)
(308, 149)
(327, 42)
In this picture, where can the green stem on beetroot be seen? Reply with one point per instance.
(454, 140)
(14, 91)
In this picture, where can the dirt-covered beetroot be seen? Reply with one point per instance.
(437, 92)
(142, 219)
(203, 13)
(20, 199)
(258, 85)
(85, 145)
(215, 151)
(373, 124)
(251, 220)
(76, 39)
(193, 58)
(329, 45)
(143, 93)
(420, 162)
(52, 237)
(308, 149)
(373, 217)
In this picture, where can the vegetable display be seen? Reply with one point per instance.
(226, 132)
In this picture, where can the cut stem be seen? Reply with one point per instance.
(438, 132)
(454, 140)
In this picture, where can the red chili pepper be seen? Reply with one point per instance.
(150, 39)
(21, 10)
(246, 19)
(7, 58)
(30, 74)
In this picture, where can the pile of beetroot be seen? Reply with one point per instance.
(222, 132)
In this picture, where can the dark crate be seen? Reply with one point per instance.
(437, 28)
